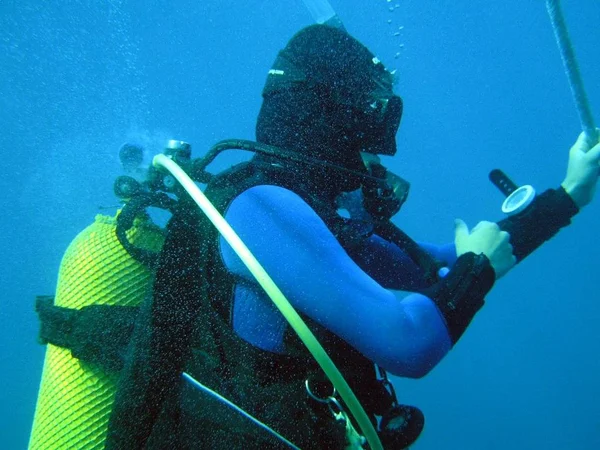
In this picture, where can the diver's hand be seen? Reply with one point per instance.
(486, 238)
(582, 171)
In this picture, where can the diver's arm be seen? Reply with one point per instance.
(445, 253)
(392, 268)
(460, 293)
(553, 209)
(547, 214)
(491, 250)
(407, 337)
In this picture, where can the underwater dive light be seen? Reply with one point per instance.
(517, 198)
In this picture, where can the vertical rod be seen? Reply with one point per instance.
(572, 71)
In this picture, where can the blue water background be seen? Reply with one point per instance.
(483, 87)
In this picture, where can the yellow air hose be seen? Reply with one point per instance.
(277, 297)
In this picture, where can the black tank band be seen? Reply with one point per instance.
(96, 334)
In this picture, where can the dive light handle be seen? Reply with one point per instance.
(502, 182)
(517, 198)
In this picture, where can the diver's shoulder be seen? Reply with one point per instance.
(271, 194)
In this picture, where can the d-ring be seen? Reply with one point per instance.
(319, 399)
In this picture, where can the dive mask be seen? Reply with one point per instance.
(375, 116)
(381, 120)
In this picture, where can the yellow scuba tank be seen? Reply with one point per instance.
(75, 398)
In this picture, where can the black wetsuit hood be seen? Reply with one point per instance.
(329, 98)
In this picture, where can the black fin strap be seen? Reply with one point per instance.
(461, 293)
(547, 214)
(97, 334)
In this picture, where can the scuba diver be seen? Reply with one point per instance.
(314, 204)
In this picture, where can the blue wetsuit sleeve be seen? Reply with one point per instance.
(387, 264)
(407, 337)
(445, 253)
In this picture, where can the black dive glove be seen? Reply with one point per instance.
(460, 294)
(540, 221)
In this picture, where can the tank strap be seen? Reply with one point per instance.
(97, 334)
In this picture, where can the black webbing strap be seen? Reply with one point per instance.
(96, 334)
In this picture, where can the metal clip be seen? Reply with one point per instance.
(334, 405)
(355, 440)
(387, 384)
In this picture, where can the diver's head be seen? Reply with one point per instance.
(329, 98)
